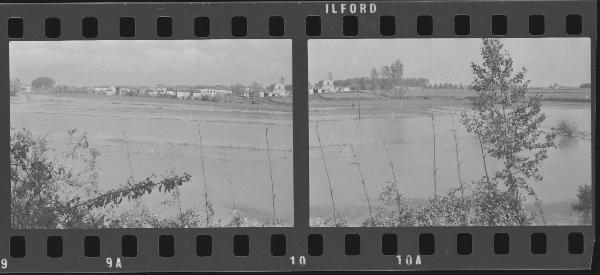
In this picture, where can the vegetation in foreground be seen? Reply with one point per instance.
(62, 192)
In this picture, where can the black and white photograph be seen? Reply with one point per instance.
(151, 134)
(450, 132)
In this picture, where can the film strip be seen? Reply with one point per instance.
(287, 136)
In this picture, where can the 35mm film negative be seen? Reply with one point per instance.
(286, 136)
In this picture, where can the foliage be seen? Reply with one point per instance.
(585, 85)
(15, 86)
(484, 204)
(584, 205)
(566, 128)
(42, 83)
(508, 122)
(53, 192)
(339, 221)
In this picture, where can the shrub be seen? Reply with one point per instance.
(566, 128)
(62, 192)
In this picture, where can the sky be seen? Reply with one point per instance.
(152, 62)
(565, 61)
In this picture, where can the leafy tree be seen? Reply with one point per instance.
(584, 205)
(374, 74)
(396, 72)
(255, 86)
(507, 121)
(42, 83)
(15, 86)
(585, 85)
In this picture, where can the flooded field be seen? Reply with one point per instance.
(406, 128)
(159, 135)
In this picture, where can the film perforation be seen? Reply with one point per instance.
(166, 246)
(387, 25)
(91, 246)
(425, 25)
(239, 26)
(389, 244)
(278, 245)
(204, 245)
(352, 244)
(501, 243)
(89, 27)
(127, 26)
(129, 246)
(426, 244)
(573, 24)
(499, 24)
(202, 26)
(536, 24)
(315, 245)
(17, 247)
(313, 25)
(52, 27)
(276, 26)
(164, 26)
(462, 24)
(538, 243)
(350, 25)
(464, 244)
(15, 27)
(575, 243)
(54, 246)
(241, 245)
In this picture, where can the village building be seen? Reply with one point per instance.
(104, 90)
(246, 92)
(183, 94)
(211, 92)
(279, 88)
(171, 92)
(326, 85)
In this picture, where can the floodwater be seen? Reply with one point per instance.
(163, 135)
(409, 140)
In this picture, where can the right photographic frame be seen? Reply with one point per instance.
(450, 132)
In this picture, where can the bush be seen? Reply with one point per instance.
(62, 192)
(566, 128)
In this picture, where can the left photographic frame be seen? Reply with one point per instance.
(151, 134)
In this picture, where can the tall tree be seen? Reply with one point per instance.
(396, 71)
(43, 83)
(584, 204)
(508, 121)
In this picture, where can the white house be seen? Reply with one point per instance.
(213, 92)
(183, 95)
(106, 90)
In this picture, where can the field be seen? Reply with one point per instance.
(142, 136)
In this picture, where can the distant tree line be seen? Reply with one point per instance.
(585, 85)
(390, 77)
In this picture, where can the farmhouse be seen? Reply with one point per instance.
(183, 94)
(212, 92)
(171, 92)
(105, 90)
